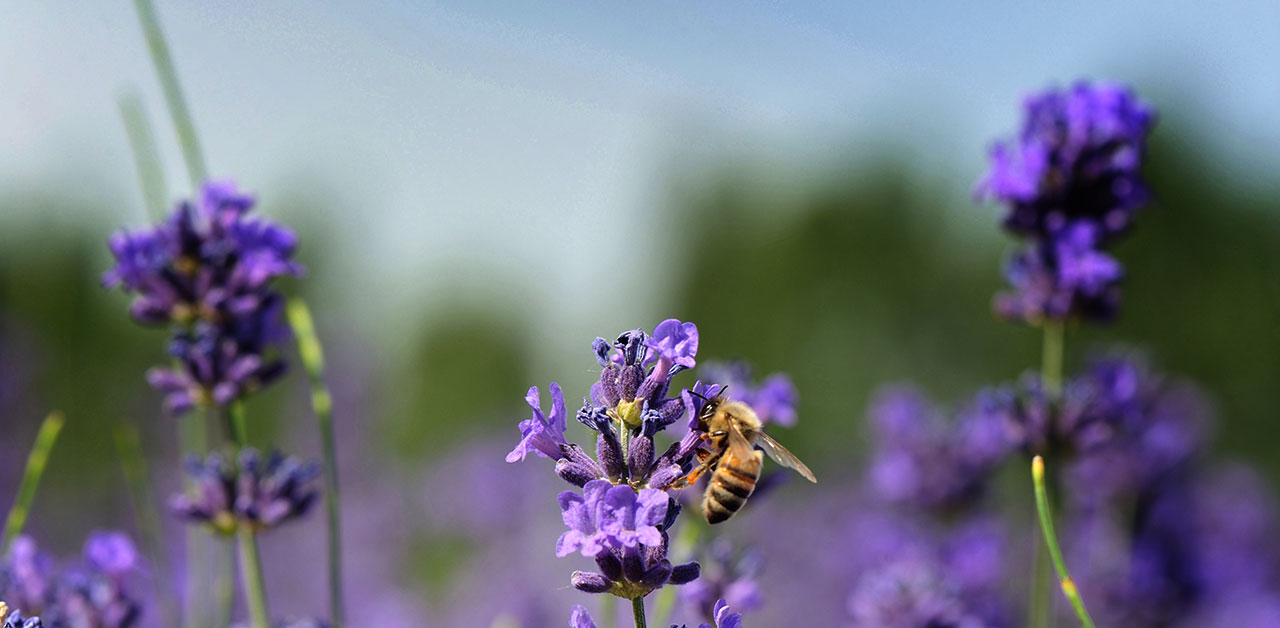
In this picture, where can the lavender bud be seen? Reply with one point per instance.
(577, 474)
(629, 382)
(640, 456)
(609, 393)
(684, 574)
(664, 475)
(609, 565)
(657, 575)
(588, 582)
(609, 452)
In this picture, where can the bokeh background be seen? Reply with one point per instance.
(482, 189)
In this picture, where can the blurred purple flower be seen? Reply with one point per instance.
(924, 459)
(1064, 277)
(208, 260)
(207, 270)
(1071, 184)
(1077, 157)
(257, 492)
(774, 398)
(726, 576)
(93, 592)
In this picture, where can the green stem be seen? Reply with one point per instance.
(36, 462)
(237, 426)
(1051, 540)
(637, 611)
(173, 97)
(145, 156)
(1051, 359)
(312, 354)
(255, 593)
(138, 479)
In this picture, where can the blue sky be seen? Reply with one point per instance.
(484, 135)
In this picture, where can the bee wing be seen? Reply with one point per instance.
(739, 446)
(783, 456)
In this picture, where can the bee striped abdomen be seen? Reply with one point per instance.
(731, 484)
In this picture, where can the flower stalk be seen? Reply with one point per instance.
(637, 611)
(1051, 541)
(255, 592)
(311, 353)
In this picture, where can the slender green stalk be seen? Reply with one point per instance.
(1051, 359)
(36, 462)
(145, 156)
(637, 611)
(168, 76)
(138, 479)
(237, 426)
(312, 354)
(1051, 540)
(255, 592)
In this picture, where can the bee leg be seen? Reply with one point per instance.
(689, 478)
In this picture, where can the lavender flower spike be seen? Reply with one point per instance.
(580, 618)
(256, 491)
(723, 616)
(15, 619)
(1077, 157)
(541, 434)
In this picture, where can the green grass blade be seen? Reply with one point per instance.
(36, 462)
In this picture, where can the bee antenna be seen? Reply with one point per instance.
(698, 395)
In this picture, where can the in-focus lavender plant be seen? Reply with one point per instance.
(14, 619)
(622, 516)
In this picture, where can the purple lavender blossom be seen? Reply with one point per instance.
(580, 618)
(16, 620)
(94, 591)
(27, 575)
(1072, 184)
(255, 491)
(1061, 278)
(622, 515)
(541, 434)
(924, 459)
(208, 260)
(774, 398)
(727, 576)
(1077, 157)
(624, 531)
(207, 271)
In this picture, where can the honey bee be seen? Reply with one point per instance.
(734, 431)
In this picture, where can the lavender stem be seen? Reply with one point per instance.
(251, 573)
(312, 355)
(637, 611)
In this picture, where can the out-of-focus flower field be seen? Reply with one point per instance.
(297, 395)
